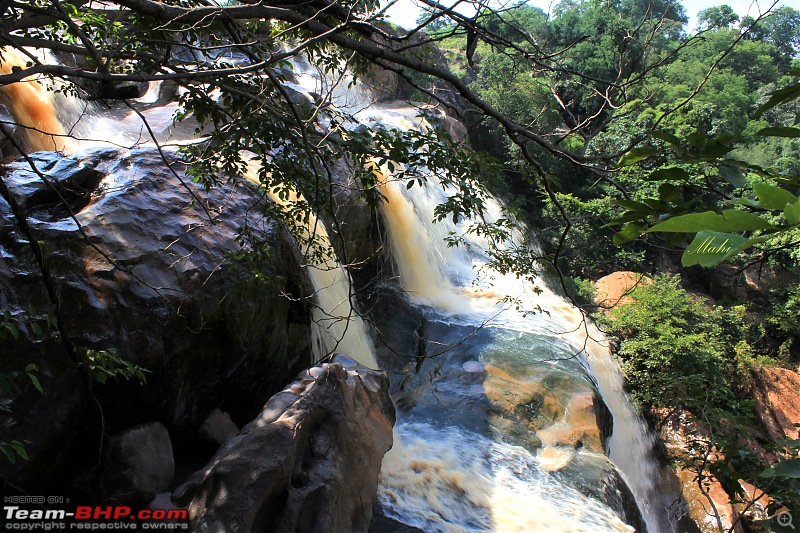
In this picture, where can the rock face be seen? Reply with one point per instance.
(309, 462)
(149, 277)
(776, 392)
(777, 395)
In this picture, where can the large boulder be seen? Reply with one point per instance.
(149, 276)
(309, 462)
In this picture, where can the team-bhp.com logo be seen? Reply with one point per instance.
(86, 517)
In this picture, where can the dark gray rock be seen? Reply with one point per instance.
(309, 462)
(149, 276)
(139, 463)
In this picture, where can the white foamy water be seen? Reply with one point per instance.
(450, 479)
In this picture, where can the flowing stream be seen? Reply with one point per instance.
(471, 452)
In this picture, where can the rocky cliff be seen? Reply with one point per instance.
(141, 259)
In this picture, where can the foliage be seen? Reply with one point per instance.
(12, 382)
(680, 355)
(104, 364)
(780, 329)
(756, 205)
(673, 348)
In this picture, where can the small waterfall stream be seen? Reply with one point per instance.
(38, 107)
(336, 326)
(458, 465)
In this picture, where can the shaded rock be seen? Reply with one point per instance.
(309, 462)
(777, 395)
(148, 275)
(139, 464)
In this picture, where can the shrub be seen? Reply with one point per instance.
(674, 349)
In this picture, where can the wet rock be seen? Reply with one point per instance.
(139, 464)
(521, 400)
(777, 395)
(148, 275)
(579, 428)
(309, 462)
(386, 524)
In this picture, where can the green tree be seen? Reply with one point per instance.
(718, 17)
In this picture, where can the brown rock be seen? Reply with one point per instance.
(521, 399)
(309, 462)
(777, 395)
(615, 289)
(710, 508)
(579, 428)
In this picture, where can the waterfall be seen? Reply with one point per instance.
(444, 281)
(33, 104)
(335, 325)
(453, 467)
(47, 117)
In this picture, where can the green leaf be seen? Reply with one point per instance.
(669, 192)
(629, 232)
(710, 248)
(638, 207)
(674, 239)
(773, 198)
(732, 175)
(779, 132)
(666, 137)
(36, 383)
(671, 173)
(637, 154)
(20, 449)
(8, 451)
(729, 220)
(792, 213)
(778, 97)
(789, 468)
(714, 149)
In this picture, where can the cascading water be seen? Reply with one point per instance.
(47, 117)
(33, 103)
(443, 280)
